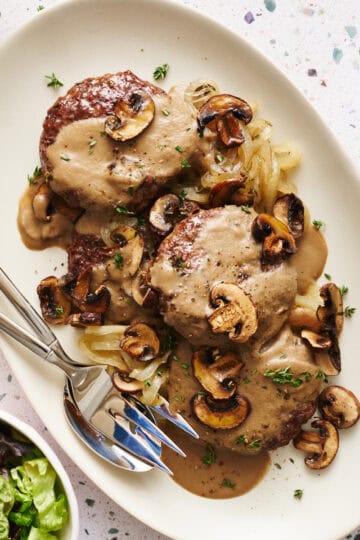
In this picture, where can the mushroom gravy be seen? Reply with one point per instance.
(88, 167)
(226, 475)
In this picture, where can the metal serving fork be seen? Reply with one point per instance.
(120, 418)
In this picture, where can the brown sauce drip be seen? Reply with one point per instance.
(229, 476)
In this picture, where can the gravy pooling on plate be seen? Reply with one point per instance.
(185, 239)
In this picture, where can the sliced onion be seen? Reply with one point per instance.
(149, 370)
(287, 155)
(150, 393)
(118, 329)
(200, 91)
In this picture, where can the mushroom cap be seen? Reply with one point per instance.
(141, 342)
(54, 303)
(124, 383)
(235, 314)
(331, 315)
(233, 191)
(330, 445)
(227, 414)
(131, 117)
(278, 242)
(289, 209)
(339, 406)
(41, 203)
(223, 114)
(217, 372)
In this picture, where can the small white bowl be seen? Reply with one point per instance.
(71, 530)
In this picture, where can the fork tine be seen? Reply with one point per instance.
(134, 444)
(133, 414)
(164, 410)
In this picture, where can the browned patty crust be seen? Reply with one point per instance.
(91, 98)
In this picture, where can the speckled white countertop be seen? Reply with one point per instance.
(317, 45)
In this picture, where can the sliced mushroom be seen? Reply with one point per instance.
(142, 292)
(122, 235)
(339, 406)
(62, 207)
(125, 261)
(302, 317)
(290, 210)
(41, 203)
(309, 441)
(55, 305)
(326, 351)
(98, 301)
(141, 342)
(216, 372)
(221, 415)
(323, 456)
(124, 383)
(317, 341)
(86, 318)
(80, 288)
(161, 212)
(278, 242)
(131, 118)
(235, 314)
(222, 114)
(231, 192)
(169, 210)
(331, 315)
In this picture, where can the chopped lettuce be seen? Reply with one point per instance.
(38, 534)
(29, 501)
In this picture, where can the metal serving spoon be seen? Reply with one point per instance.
(106, 415)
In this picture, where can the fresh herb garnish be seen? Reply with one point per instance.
(327, 276)
(344, 290)
(64, 158)
(166, 112)
(256, 443)
(185, 366)
(246, 380)
(159, 373)
(298, 493)
(349, 311)
(245, 208)
(35, 175)
(118, 260)
(185, 164)
(277, 465)
(307, 375)
(291, 460)
(318, 224)
(123, 211)
(209, 457)
(241, 439)
(283, 376)
(40, 8)
(179, 149)
(321, 375)
(139, 165)
(147, 383)
(227, 483)
(219, 158)
(283, 356)
(177, 262)
(59, 310)
(183, 195)
(161, 71)
(102, 133)
(131, 190)
(92, 145)
(53, 81)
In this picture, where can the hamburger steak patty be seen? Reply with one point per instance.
(208, 248)
(276, 411)
(90, 169)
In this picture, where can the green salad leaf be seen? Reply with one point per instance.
(28, 500)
